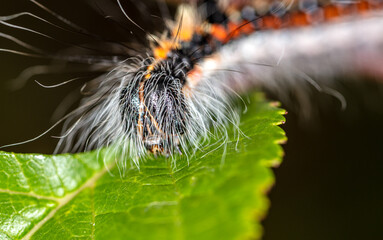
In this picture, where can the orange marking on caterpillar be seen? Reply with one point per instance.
(149, 69)
(161, 52)
(299, 19)
(140, 124)
(363, 6)
(184, 35)
(271, 22)
(331, 12)
(219, 32)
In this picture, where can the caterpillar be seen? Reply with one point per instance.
(170, 97)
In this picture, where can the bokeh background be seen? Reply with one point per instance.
(330, 185)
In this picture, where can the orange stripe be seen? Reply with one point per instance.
(140, 124)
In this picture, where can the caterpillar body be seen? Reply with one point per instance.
(170, 99)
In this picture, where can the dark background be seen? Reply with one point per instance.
(329, 185)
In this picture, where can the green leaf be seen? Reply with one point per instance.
(209, 197)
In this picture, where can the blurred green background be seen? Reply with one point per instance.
(330, 185)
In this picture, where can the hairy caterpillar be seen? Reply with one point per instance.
(166, 99)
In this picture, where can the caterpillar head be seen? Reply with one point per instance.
(154, 105)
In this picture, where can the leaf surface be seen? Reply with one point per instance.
(211, 195)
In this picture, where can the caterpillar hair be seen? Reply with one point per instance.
(170, 99)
